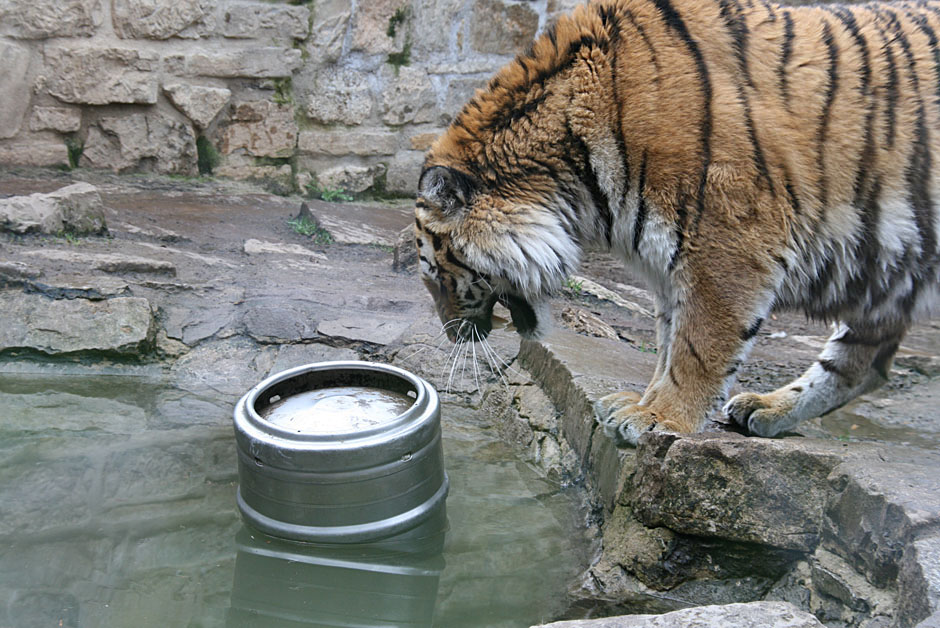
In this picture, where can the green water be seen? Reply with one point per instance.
(117, 509)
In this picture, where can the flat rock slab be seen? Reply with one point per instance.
(351, 223)
(751, 615)
(364, 328)
(108, 262)
(260, 247)
(76, 208)
(123, 325)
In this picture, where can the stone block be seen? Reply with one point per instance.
(372, 26)
(290, 356)
(15, 87)
(459, 93)
(61, 119)
(75, 208)
(38, 151)
(43, 19)
(349, 142)
(919, 582)
(876, 510)
(268, 62)
(271, 22)
(279, 323)
(423, 141)
(328, 31)
(339, 96)
(349, 178)
(262, 129)
(403, 172)
(243, 167)
(229, 366)
(508, 29)
(749, 615)
(162, 19)
(122, 325)
(437, 21)
(575, 370)
(536, 408)
(755, 490)
(101, 76)
(199, 103)
(408, 97)
(141, 141)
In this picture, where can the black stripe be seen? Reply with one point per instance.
(924, 26)
(614, 28)
(507, 118)
(918, 171)
(771, 12)
(832, 84)
(830, 367)
(867, 156)
(672, 376)
(449, 255)
(883, 359)
(654, 57)
(640, 219)
(694, 353)
(673, 20)
(786, 51)
(580, 164)
(891, 88)
(853, 338)
(751, 331)
(735, 24)
(791, 193)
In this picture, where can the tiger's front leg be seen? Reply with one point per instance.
(705, 336)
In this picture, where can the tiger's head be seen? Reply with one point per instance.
(506, 200)
(503, 205)
(478, 246)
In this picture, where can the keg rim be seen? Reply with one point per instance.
(418, 406)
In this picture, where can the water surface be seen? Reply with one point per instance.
(117, 508)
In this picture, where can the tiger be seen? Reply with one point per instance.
(743, 156)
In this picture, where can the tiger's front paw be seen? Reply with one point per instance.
(762, 415)
(624, 421)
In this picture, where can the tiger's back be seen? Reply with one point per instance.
(744, 155)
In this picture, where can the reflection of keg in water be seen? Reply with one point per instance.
(391, 583)
(340, 452)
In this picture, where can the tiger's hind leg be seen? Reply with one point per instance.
(856, 359)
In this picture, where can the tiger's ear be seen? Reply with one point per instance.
(448, 189)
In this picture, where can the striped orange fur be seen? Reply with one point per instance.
(743, 155)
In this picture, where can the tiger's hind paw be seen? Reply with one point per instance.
(624, 421)
(762, 415)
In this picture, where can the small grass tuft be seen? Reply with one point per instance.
(75, 147)
(574, 286)
(330, 195)
(310, 229)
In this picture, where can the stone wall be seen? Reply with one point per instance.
(334, 93)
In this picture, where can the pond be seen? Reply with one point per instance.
(117, 508)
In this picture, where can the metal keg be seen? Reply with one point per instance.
(340, 452)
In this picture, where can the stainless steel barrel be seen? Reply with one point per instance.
(318, 463)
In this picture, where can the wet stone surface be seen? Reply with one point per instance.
(121, 357)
